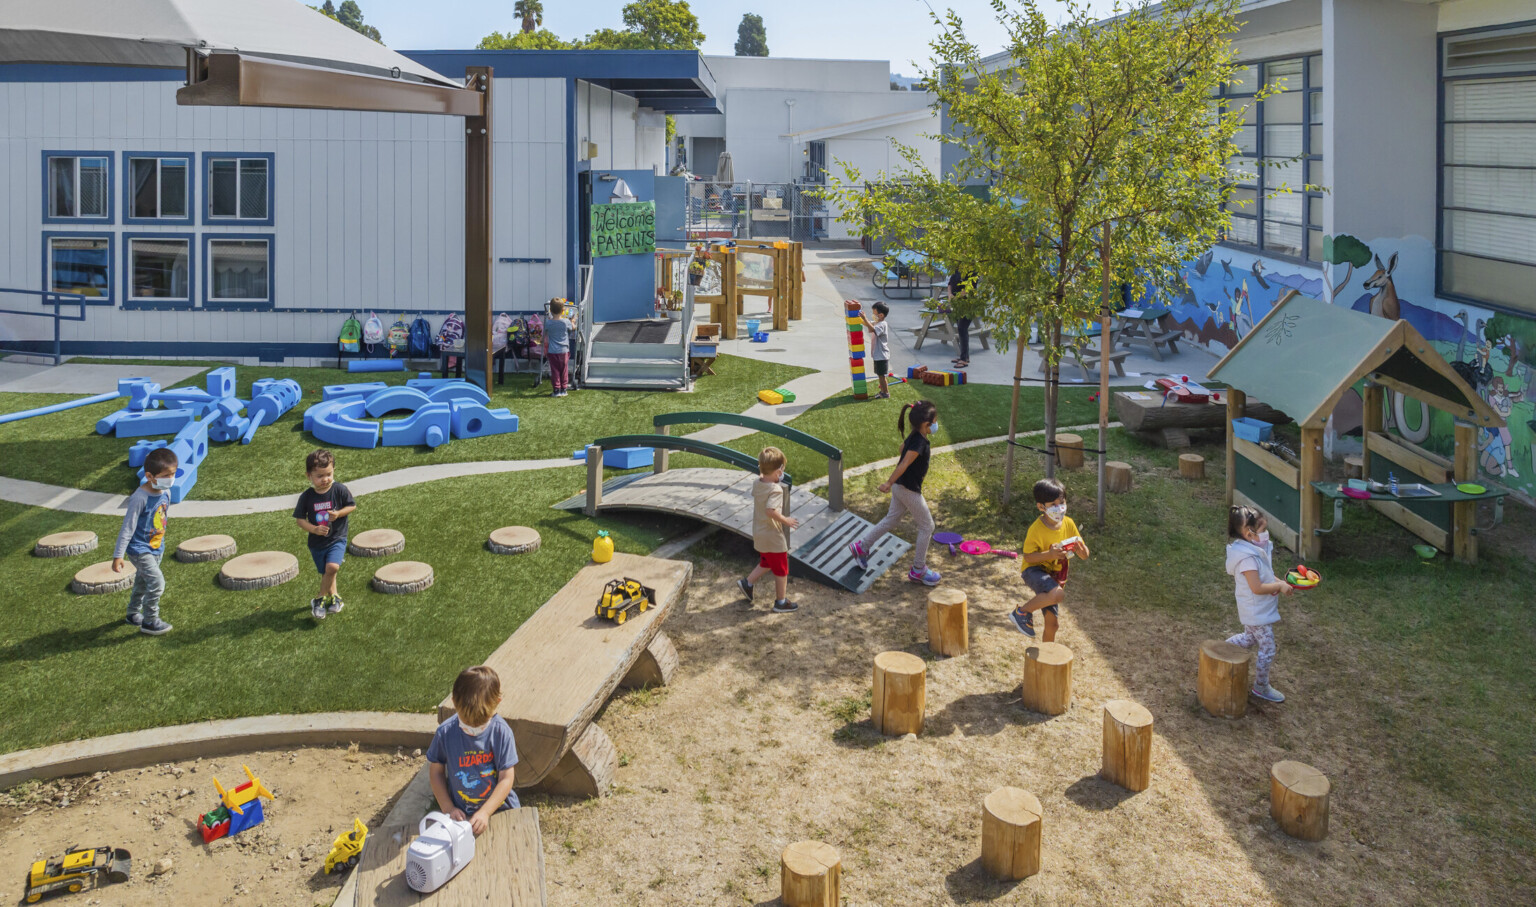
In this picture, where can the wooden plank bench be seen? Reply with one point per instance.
(508, 867)
(564, 662)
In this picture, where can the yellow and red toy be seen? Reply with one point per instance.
(239, 808)
(74, 869)
(621, 596)
(348, 848)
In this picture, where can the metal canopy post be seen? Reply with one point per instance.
(477, 232)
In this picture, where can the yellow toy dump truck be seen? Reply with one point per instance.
(347, 849)
(620, 596)
(74, 869)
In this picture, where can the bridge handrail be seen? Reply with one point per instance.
(48, 298)
(665, 442)
(763, 425)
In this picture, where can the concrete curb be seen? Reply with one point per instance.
(214, 738)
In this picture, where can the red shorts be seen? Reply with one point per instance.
(777, 561)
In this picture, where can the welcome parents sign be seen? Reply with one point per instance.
(623, 228)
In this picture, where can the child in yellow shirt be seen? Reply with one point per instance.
(1051, 541)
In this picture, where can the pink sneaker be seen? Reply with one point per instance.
(860, 555)
(928, 577)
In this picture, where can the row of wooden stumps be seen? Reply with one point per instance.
(1117, 475)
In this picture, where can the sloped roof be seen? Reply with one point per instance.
(1306, 353)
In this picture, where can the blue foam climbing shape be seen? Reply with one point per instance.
(140, 449)
(106, 423)
(474, 420)
(396, 399)
(221, 382)
(337, 391)
(376, 365)
(190, 444)
(424, 381)
(462, 390)
(150, 422)
(431, 425)
(340, 424)
(623, 457)
(137, 390)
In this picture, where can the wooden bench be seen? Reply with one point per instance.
(508, 868)
(1088, 357)
(564, 662)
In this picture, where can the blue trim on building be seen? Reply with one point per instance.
(79, 72)
(127, 181)
(665, 77)
(48, 189)
(208, 157)
(218, 305)
(106, 298)
(158, 303)
(573, 256)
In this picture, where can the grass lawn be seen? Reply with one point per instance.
(64, 449)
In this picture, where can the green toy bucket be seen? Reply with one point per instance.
(1425, 552)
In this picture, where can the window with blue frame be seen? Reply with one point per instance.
(159, 268)
(239, 269)
(1280, 145)
(79, 264)
(78, 186)
(237, 188)
(157, 188)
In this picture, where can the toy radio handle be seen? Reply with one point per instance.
(456, 832)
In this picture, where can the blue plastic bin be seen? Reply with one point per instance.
(752, 325)
(1251, 429)
(760, 337)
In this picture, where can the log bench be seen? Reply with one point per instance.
(563, 663)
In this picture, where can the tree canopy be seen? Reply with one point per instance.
(542, 39)
(531, 12)
(650, 25)
(751, 36)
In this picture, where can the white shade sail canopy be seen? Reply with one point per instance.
(158, 32)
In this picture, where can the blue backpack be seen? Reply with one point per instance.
(421, 339)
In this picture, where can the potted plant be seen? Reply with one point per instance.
(696, 272)
(677, 300)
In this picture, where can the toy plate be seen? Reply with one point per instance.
(1471, 488)
(1357, 493)
(1295, 583)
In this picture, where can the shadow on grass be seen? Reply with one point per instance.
(1093, 792)
(983, 715)
(971, 884)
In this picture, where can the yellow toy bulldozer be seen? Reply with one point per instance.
(74, 869)
(620, 596)
(347, 849)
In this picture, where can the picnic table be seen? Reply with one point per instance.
(941, 320)
(1144, 327)
(1084, 354)
(910, 272)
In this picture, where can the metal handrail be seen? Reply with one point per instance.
(663, 442)
(49, 298)
(833, 454)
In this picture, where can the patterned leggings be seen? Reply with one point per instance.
(1264, 638)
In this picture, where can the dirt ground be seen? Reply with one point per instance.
(153, 813)
(766, 739)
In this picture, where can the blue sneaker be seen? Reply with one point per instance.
(1024, 622)
(136, 619)
(156, 627)
(860, 555)
(1268, 694)
(928, 577)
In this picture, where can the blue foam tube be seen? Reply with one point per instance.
(376, 365)
(58, 407)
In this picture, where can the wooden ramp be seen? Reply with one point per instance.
(723, 498)
(508, 868)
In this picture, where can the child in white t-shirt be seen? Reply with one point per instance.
(879, 351)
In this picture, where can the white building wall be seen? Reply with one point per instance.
(627, 136)
(368, 208)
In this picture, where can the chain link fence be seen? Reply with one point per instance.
(748, 210)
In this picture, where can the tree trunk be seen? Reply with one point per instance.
(1010, 833)
(1104, 353)
(1223, 678)
(1013, 416)
(1047, 678)
(1298, 800)
(1069, 451)
(900, 693)
(1127, 745)
(1052, 384)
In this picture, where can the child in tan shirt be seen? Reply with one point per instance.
(768, 529)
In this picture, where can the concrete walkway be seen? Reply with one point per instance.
(70, 378)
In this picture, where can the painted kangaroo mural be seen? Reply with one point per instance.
(1384, 303)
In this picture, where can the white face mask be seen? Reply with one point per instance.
(473, 731)
(933, 426)
(1056, 511)
(1264, 538)
(162, 484)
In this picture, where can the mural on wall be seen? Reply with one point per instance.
(1225, 292)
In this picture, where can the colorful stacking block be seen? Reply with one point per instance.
(788, 395)
(772, 398)
(916, 371)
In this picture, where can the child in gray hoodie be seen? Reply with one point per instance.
(1250, 561)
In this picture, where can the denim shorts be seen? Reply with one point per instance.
(1040, 582)
(334, 552)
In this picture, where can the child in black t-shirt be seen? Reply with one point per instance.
(322, 512)
(906, 489)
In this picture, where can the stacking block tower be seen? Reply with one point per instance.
(856, 355)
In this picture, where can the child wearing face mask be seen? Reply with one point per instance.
(905, 486)
(1052, 540)
(142, 541)
(1250, 558)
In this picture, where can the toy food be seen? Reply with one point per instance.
(1303, 577)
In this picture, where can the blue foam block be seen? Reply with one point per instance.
(431, 425)
(459, 391)
(425, 382)
(394, 400)
(106, 423)
(474, 420)
(137, 390)
(340, 423)
(337, 391)
(191, 443)
(376, 365)
(138, 450)
(152, 422)
(221, 382)
(625, 457)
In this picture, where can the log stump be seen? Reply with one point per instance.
(1127, 745)
(258, 570)
(811, 875)
(1223, 684)
(948, 629)
(900, 694)
(513, 540)
(205, 548)
(1192, 466)
(1047, 678)
(403, 577)
(376, 543)
(1298, 800)
(98, 579)
(65, 544)
(655, 666)
(1010, 833)
(1069, 451)
(1354, 467)
(1117, 477)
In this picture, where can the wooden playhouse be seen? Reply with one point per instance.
(1300, 360)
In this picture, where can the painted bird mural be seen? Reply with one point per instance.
(1257, 266)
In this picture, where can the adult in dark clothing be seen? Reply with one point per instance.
(960, 284)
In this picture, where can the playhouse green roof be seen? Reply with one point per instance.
(1305, 353)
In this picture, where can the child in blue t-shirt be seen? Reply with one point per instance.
(142, 541)
(472, 754)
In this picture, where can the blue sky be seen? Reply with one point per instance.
(895, 30)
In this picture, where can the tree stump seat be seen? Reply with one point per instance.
(948, 629)
(403, 578)
(1223, 678)
(99, 579)
(513, 540)
(811, 875)
(204, 548)
(1191, 466)
(1010, 833)
(1047, 678)
(1298, 800)
(65, 544)
(900, 693)
(376, 543)
(258, 570)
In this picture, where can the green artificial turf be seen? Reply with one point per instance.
(64, 449)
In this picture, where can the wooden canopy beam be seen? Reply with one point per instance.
(235, 80)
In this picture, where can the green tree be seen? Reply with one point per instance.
(543, 39)
(650, 25)
(350, 15)
(751, 37)
(1516, 335)
(531, 12)
(1344, 249)
(1106, 158)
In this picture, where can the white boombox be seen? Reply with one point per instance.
(442, 849)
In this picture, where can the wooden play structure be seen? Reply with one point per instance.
(508, 868)
(563, 663)
(785, 290)
(1301, 359)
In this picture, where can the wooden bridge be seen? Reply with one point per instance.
(723, 497)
